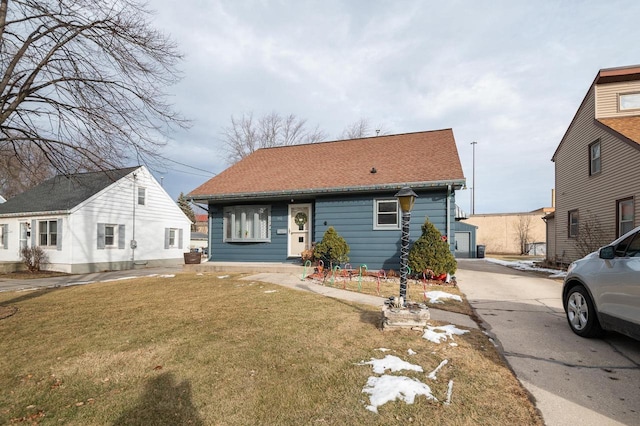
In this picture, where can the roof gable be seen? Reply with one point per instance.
(62, 193)
(349, 165)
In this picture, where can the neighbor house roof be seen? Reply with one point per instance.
(62, 193)
(421, 160)
(629, 127)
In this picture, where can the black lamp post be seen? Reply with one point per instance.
(406, 197)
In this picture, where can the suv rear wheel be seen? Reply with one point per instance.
(581, 314)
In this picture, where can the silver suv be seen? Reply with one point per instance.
(602, 290)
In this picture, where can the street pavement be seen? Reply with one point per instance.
(573, 380)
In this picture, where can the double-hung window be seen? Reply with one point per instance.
(573, 224)
(625, 216)
(247, 224)
(594, 158)
(386, 214)
(110, 236)
(142, 196)
(48, 231)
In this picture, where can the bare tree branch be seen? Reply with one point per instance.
(83, 83)
(361, 129)
(245, 135)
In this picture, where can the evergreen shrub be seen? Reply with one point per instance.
(333, 249)
(431, 252)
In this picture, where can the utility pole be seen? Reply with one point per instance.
(473, 188)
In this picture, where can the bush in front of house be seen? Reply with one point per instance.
(333, 249)
(33, 258)
(431, 252)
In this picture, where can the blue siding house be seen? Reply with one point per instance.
(277, 202)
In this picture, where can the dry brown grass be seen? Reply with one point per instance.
(203, 350)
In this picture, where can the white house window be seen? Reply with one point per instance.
(172, 237)
(48, 230)
(110, 235)
(594, 158)
(573, 224)
(386, 214)
(142, 196)
(247, 223)
(629, 101)
(626, 216)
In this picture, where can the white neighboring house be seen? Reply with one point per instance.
(90, 222)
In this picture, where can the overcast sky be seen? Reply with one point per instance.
(507, 74)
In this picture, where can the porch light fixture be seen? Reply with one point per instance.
(406, 197)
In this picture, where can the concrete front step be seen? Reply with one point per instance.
(248, 267)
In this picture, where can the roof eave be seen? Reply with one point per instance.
(453, 183)
(31, 214)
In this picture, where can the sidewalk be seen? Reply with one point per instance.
(7, 284)
(296, 283)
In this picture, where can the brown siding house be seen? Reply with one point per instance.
(597, 165)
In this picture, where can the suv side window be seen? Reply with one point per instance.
(634, 248)
(630, 246)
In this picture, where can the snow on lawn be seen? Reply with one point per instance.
(528, 265)
(387, 388)
(435, 296)
(390, 362)
(442, 333)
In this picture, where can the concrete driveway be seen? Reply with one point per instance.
(573, 380)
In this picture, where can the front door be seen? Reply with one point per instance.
(299, 229)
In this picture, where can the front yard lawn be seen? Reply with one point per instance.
(203, 350)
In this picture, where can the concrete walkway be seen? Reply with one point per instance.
(296, 283)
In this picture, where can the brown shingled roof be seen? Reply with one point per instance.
(421, 158)
(628, 127)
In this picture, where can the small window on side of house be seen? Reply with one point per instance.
(625, 215)
(628, 101)
(573, 224)
(594, 158)
(386, 214)
(110, 235)
(142, 196)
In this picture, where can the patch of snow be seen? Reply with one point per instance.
(383, 349)
(270, 291)
(449, 392)
(528, 265)
(390, 362)
(453, 344)
(435, 296)
(432, 375)
(411, 352)
(224, 276)
(387, 388)
(442, 333)
(168, 276)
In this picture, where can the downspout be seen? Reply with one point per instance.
(449, 215)
(133, 236)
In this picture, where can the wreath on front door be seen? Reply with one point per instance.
(300, 219)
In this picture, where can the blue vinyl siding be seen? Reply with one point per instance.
(351, 215)
(273, 251)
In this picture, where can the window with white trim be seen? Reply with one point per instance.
(142, 196)
(386, 214)
(625, 215)
(573, 224)
(48, 231)
(594, 158)
(110, 236)
(173, 232)
(628, 101)
(247, 224)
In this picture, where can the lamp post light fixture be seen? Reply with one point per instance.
(406, 197)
